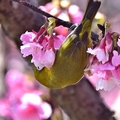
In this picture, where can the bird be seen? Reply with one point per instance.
(71, 58)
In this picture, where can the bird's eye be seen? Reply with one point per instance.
(38, 68)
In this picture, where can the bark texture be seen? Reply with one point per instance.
(80, 101)
(16, 19)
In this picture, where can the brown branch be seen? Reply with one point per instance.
(82, 102)
(38, 10)
(2, 62)
(67, 24)
(16, 20)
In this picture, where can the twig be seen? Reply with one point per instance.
(67, 24)
(38, 10)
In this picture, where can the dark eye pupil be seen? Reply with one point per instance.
(38, 68)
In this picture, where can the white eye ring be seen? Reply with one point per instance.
(38, 68)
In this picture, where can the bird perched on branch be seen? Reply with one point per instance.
(72, 58)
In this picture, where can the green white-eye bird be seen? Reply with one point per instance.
(72, 58)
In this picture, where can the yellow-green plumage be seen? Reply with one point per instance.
(71, 59)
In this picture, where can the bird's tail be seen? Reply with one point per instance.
(84, 29)
(91, 9)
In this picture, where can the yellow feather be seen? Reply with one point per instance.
(72, 58)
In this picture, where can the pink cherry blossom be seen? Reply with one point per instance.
(116, 73)
(105, 62)
(22, 100)
(75, 14)
(41, 46)
(115, 58)
(46, 59)
(106, 66)
(31, 107)
(18, 84)
(27, 37)
(58, 40)
(50, 8)
(109, 100)
(4, 107)
(103, 49)
(61, 30)
(106, 85)
(99, 53)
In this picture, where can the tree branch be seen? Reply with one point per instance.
(59, 22)
(82, 102)
(38, 10)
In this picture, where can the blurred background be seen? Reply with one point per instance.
(13, 65)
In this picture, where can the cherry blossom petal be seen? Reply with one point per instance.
(106, 66)
(31, 108)
(91, 51)
(116, 73)
(38, 64)
(26, 50)
(31, 98)
(101, 56)
(27, 37)
(47, 111)
(36, 51)
(99, 53)
(106, 74)
(115, 58)
(75, 14)
(58, 40)
(106, 85)
(61, 30)
(4, 108)
(48, 58)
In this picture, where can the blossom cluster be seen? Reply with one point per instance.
(42, 45)
(104, 60)
(22, 100)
